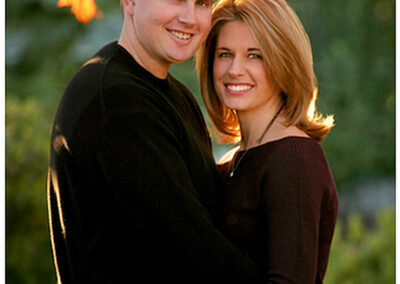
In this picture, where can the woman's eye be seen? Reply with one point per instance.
(225, 55)
(255, 56)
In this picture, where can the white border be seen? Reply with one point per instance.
(2, 144)
(397, 148)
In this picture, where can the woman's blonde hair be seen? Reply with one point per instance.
(286, 51)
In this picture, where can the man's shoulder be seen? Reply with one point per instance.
(87, 85)
(110, 75)
(177, 84)
(92, 71)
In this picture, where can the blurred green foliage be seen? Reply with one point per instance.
(28, 253)
(362, 255)
(353, 44)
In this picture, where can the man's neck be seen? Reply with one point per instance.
(133, 47)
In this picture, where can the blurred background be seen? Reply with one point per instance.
(353, 44)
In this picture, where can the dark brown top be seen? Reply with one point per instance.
(281, 206)
(132, 182)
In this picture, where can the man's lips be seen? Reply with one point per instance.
(180, 35)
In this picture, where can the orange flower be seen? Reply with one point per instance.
(84, 10)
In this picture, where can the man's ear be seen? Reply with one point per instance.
(129, 6)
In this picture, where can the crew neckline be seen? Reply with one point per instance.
(154, 79)
(269, 143)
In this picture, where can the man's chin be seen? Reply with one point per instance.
(180, 57)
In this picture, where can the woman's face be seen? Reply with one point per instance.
(239, 73)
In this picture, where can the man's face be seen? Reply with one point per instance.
(170, 31)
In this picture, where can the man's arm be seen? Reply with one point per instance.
(143, 162)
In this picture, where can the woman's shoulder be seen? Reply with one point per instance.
(300, 162)
(296, 147)
(228, 156)
(297, 155)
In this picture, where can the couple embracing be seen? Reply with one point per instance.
(134, 193)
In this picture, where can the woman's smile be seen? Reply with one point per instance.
(238, 88)
(239, 72)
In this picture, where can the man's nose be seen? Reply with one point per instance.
(188, 14)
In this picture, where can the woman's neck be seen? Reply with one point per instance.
(253, 124)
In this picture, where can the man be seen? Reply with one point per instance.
(132, 181)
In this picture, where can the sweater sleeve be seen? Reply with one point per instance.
(294, 192)
(143, 160)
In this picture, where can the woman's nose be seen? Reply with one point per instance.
(237, 67)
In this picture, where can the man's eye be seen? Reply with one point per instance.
(203, 3)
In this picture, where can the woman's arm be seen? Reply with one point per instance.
(297, 188)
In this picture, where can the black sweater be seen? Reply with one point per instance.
(132, 181)
(281, 206)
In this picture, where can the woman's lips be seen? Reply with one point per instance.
(237, 89)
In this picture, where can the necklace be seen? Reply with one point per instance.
(235, 165)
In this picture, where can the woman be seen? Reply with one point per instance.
(258, 84)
